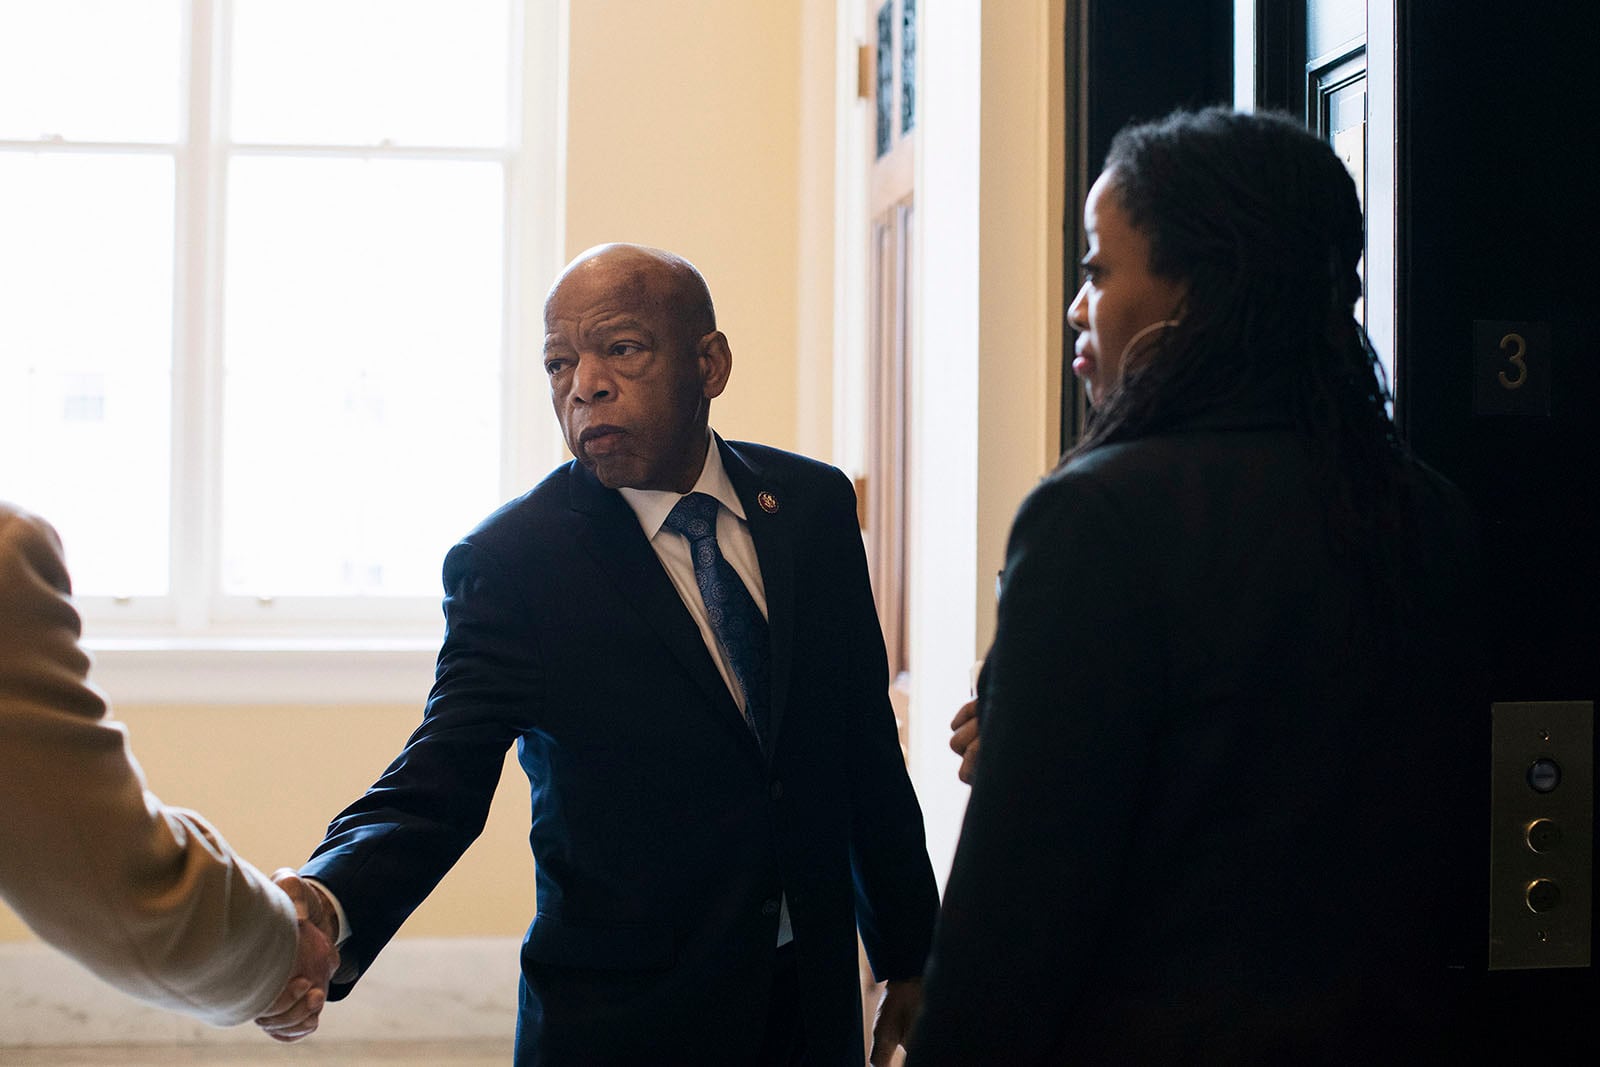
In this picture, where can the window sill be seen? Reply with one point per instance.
(258, 670)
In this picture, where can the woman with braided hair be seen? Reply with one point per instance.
(1224, 808)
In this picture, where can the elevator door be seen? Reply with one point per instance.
(1491, 327)
(1499, 388)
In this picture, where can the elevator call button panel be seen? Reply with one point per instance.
(1541, 843)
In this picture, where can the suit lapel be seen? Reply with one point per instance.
(771, 529)
(612, 537)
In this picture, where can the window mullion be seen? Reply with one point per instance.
(195, 409)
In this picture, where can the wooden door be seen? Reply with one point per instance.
(1311, 60)
(892, 203)
(887, 77)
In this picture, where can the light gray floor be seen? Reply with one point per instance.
(310, 1053)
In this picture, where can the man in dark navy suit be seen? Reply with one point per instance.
(678, 634)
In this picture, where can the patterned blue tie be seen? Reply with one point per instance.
(736, 620)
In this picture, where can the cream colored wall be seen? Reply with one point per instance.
(683, 130)
(682, 133)
(1021, 184)
(827, 94)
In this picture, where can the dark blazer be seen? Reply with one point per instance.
(661, 835)
(1218, 817)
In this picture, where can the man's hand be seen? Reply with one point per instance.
(897, 1014)
(964, 742)
(295, 1013)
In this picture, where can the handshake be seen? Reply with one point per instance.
(297, 1008)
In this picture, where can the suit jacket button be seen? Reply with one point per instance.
(769, 908)
(776, 792)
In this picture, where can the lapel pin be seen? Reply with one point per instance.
(768, 502)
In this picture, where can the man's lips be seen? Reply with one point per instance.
(600, 439)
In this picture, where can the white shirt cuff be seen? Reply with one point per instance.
(338, 911)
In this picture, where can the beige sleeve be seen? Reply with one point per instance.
(148, 897)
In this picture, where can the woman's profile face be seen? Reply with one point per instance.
(1122, 306)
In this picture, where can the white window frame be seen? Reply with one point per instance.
(196, 646)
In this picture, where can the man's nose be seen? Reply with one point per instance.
(591, 380)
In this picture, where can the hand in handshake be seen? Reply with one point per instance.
(295, 1013)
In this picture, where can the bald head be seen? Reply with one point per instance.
(634, 358)
(650, 277)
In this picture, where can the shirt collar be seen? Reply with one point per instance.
(652, 506)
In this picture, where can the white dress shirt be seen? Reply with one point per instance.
(652, 506)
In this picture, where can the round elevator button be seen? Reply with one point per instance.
(1542, 895)
(1544, 775)
(1543, 835)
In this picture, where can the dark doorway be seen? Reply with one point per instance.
(1135, 60)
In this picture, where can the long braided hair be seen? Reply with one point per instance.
(1262, 223)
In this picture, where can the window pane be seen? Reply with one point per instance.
(86, 358)
(362, 364)
(415, 72)
(90, 70)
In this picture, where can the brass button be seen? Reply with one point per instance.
(1542, 835)
(1542, 895)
